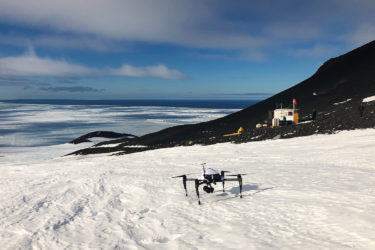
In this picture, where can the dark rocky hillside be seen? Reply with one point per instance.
(335, 91)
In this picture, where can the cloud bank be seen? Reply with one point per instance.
(219, 24)
(188, 23)
(30, 65)
(74, 89)
(76, 42)
(249, 30)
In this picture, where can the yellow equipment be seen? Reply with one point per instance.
(240, 130)
(296, 118)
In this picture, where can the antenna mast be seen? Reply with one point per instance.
(204, 169)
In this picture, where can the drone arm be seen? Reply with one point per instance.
(190, 179)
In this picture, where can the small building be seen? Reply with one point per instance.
(284, 116)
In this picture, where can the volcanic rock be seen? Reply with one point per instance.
(101, 134)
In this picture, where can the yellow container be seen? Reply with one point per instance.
(296, 118)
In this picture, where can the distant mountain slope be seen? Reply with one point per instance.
(350, 76)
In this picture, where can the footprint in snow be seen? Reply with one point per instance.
(160, 239)
(143, 211)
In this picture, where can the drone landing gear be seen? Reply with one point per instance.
(197, 190)
(209, 189)
(184, 182)
(239, 177)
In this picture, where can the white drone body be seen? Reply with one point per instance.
(208, 177)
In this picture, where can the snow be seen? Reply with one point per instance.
(37, 154)
(107, 145)
(338, 103)
(256, 137)
(118, 144)
(301, 193)
(305, 122)
(369, 99)
(136, 146)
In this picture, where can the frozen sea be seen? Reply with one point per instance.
(51, 122)
(41, 129)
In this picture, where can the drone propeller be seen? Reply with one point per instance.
(234, 174)
(225, 171)
(179, 176)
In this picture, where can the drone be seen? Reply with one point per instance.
(210, 176)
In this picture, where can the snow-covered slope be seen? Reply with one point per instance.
(38, 154)
(313, 192)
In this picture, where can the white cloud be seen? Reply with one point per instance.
(363, 34)
(249, 29)
(71, 89)
(188, 23)
(252, 55)
(158, 71)
(86, 43)
(32, 65)
(316, 51)
(293, 30)
(63, 42)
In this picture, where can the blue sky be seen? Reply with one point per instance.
(172, 49)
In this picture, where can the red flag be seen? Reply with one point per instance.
(294, 101)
